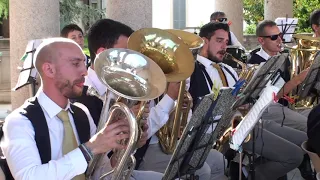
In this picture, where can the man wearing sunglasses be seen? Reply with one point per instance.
(219, 16)
(270, 39)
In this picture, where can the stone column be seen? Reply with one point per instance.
(234, 12)
(136, 14)
(275, 8)
(29, 19)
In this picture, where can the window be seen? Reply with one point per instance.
(179, 14)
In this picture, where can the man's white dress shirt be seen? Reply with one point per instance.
(214, 74)
(21, 152)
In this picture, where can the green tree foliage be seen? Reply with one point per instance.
(71, 11)
(302, 10)
(254, 9)
(4, 9)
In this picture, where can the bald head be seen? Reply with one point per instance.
(50, 50)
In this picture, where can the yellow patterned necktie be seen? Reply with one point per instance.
(221, 74)
(69, 140)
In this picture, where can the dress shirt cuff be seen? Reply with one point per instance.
(78, 161)
(166, 103)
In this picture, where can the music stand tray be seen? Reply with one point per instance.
(195, 143)
(267, 73)
(28, 72)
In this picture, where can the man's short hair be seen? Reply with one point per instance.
(70, 28)
(315, 18)
(260, 30)
(216, 14)
(105, 33)
(209, 29)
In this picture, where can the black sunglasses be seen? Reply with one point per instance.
(222, 19)
(273, 37)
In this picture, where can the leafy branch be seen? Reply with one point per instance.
(4, 9)
(73, 10)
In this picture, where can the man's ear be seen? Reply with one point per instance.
(48, 69)
(261, 40)
(100, 50)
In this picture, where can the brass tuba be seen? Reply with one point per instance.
(302, 56)
(132, 76)
(176, 61)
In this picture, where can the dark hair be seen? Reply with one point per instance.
(315, 18)
(69, 28)
(216, 14)
(208, 29)
(261, 26)
(105, 33)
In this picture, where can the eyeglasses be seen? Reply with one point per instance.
(273, 37)
(222, 19)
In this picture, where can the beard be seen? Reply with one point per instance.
(67, 88)
(214, 58)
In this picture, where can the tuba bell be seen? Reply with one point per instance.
(302, 56)
(132, 76)
(176, 61)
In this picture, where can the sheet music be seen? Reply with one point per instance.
(250, 120)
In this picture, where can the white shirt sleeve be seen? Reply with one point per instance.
(235, 41)
(159, 114)
(21, 152)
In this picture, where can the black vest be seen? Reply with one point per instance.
(32, 110)
(198, 84)
(94, 105)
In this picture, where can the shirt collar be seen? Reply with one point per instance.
(206, 62)
(48, 105)
(263, 54)
(95, 82)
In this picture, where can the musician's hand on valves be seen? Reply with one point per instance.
(144, 136)
(173, 90)
(108, 138)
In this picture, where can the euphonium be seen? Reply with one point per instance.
(176, 61)
(132, 76)
(302, 56)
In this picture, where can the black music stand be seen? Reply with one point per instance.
(287, 27)
(28, 73)
(195, 143)
(268, 74)
(311, 80)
